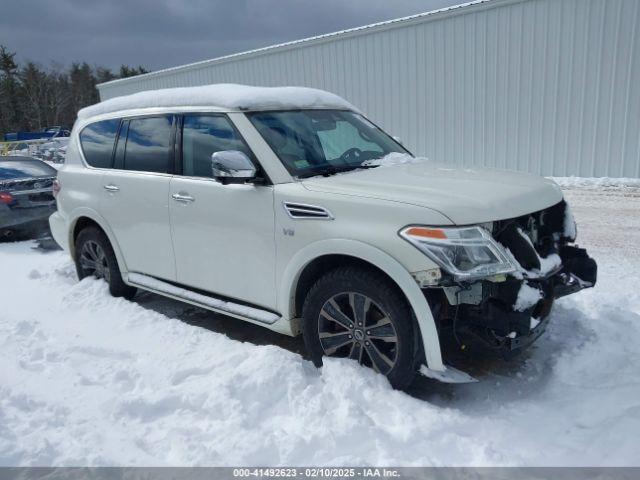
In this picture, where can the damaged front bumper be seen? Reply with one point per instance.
(579, 271)
(508, 314)
(498, 322)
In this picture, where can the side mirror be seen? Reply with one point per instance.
(232, 166)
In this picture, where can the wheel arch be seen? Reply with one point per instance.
(316, 259)
(321, 265)
(85, 218)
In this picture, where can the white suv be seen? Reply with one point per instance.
(287, 208)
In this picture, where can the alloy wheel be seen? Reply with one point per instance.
(94, 260)
(353, 325)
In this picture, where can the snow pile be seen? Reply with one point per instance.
(394, 158)
(450, 375)
(89, 379)
(19, 152)
(528, 296)
(86, 379)
(226, 95)
(569, 227)
(52, 151)
(596, 182)
(548, 264)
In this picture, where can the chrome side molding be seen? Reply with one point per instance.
(209, 302)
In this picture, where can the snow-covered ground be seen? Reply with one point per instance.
(86, 379)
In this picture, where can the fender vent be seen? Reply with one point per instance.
(302, 211)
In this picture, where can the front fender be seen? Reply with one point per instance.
(377, 258)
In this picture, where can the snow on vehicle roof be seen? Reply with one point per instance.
(226, 96)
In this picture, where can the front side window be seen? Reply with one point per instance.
(202, 136)
(97, 142)
(312, 142)
(148, 144)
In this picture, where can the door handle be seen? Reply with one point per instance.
(183, 197)
(111, 188)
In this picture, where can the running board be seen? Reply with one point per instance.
(226, 307)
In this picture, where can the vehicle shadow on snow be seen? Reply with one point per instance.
(229, 326)
(523, 376)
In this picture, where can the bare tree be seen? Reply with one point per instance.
(33, 97)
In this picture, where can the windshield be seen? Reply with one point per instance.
(322, 142)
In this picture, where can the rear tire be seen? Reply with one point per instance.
(94, 256)
(358, 313)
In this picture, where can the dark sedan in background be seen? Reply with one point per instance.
(26, 196)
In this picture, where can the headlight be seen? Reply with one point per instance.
(467, 253)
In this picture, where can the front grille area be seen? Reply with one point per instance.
(543, 230)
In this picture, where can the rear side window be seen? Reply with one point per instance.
(97, 142)
(148, 144)
(202, 136)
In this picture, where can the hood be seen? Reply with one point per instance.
(464, 195)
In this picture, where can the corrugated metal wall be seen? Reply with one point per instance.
(546, 86)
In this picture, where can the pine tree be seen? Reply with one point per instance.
(32, 89)
(10, 114)
(126, 71)
(83, 86)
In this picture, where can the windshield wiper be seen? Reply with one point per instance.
(329, 170)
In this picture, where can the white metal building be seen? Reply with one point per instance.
(547, 86)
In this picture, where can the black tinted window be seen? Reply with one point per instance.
(97, 142)
(148, 142)
(203, 135)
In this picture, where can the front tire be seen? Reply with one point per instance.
(360, 314)
(95, 257)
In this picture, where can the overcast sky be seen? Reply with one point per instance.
(166, 33)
